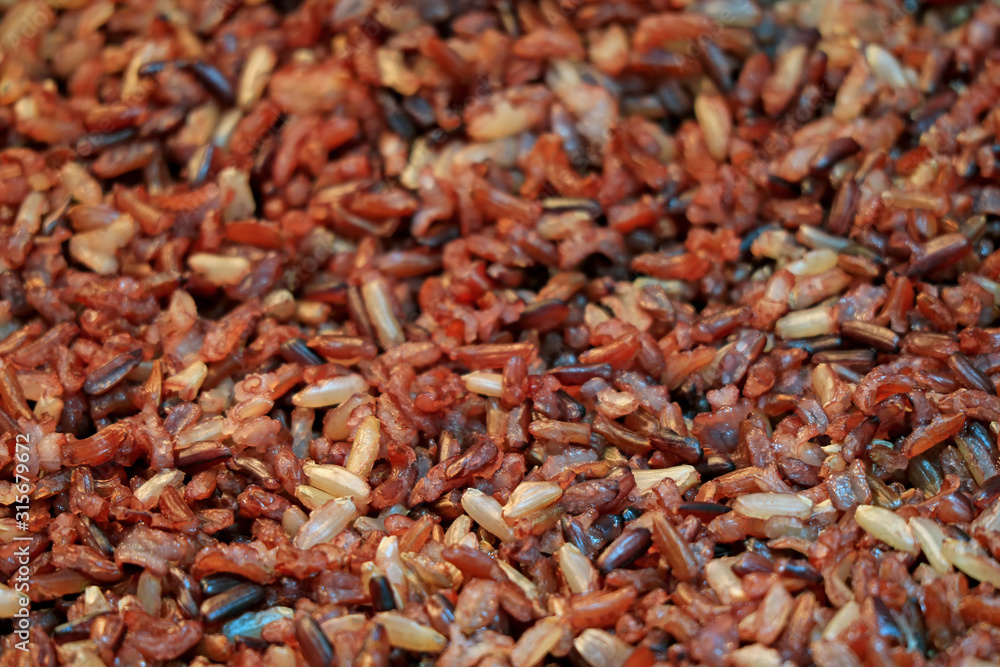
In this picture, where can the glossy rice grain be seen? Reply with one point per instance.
(618, 334)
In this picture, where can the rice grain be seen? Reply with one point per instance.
(487, 512)
(887, 526)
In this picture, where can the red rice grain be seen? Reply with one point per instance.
(609, 334)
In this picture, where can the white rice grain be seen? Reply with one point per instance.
(846, 615)
(217, 428)
(409, 635)
(187, 382)
(293, 519)
(536, 642)
(332, 391)
(335, 426)
(767, 505)
(338, 482)
(149, 590)
(364, 449)
(10, 601)
(887, 526)
(148, 494)
(458, 529)
(601, 649)
(885, 68)
(724, 582)
(755, 655)
(774, 612)
(809, 323)
(579, 572)
(481, 382)
(813, 263)
(971, 560)
(375, 294)
(81, 653)
(346, 623)
(222, 270)
(98, 249)
(235, 187)
(388, 560)
(486, 511)
(684, 476)
(255, 75)
(931, 539)
(530, 497)
(326, 523)
(312, 497)
(521, 581)
(716, 124)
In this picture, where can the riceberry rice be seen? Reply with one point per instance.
(609, 334)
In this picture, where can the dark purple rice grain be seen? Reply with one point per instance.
(180, 417)
(835, 151)
(886, 623)
(782, 189)
(296, 351)
(12, 291)
(816, 345)
(578, 374)
(100, 142)
(842, 211)
(866, 333)
(316, 648)
(846, 357)
(704, 511)
(201, 164)
(969, 374)
(381, 593)
(575, 534)
(630, 545)
(560, 204)
(215, 584)
(939, 252)
(749, 561)
(715, 65)
(988, 493)
(629, 442)
(112, 372)
(687, 449)
(605, 530)
(202, 454)
(398, 121)
(232, 602)
(213, 80)
(714, 465)
(570, 409)
(96, 538)
(441, 612)
(186, 590)
(356, 309)
(883, 494)
(77, 629)
(543, 315)
(979, 451)
(798, 569)
(153, 68)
